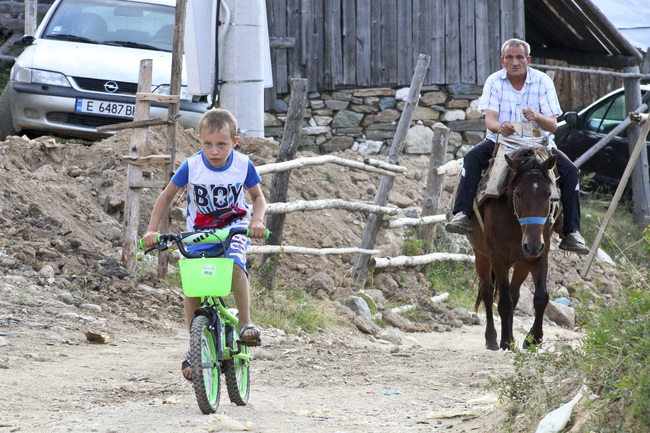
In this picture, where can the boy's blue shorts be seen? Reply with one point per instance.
(236, 250)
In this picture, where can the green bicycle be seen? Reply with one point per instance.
(215, 327)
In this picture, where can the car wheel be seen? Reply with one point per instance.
(6, 120)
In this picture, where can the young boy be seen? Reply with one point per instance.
(215, 178)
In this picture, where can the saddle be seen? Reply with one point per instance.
(495, 176)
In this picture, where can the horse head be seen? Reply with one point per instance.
(530, 188)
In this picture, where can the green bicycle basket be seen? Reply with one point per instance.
(206, 277)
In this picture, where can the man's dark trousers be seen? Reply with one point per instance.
(478, 158)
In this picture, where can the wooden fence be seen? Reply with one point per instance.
(364, 43)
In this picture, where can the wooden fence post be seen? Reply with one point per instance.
(434, 181)
(134, 172)
(280, 182)
(30, 17)
(634, 155)
(359, 271)
(172, 110)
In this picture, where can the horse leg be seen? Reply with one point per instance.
(486, 294)
(519, 275)
(504, 306)
(540, 300)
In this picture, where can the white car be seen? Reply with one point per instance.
(80, 70)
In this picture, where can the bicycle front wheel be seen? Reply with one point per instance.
(237, 378)
(205, 368)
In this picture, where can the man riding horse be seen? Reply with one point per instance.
(519, 94)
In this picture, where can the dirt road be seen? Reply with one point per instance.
(54, 380)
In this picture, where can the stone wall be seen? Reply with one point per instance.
(365, 120)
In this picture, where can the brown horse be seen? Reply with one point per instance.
(516, 235)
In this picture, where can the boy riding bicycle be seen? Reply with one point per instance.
(215, 178)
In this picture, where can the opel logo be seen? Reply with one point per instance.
(111, 86)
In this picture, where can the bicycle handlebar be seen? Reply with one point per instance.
(212, 236)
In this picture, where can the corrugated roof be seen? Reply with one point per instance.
(578, 32)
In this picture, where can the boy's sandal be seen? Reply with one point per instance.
(186, 363)
(251, 340)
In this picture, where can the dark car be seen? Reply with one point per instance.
(578, 132)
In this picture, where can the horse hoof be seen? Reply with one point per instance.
(492, 346)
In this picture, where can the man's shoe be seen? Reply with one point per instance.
(460, 224)
(575, 243)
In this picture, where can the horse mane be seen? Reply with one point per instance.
(529, 157)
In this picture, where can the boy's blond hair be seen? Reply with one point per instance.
(216, 119)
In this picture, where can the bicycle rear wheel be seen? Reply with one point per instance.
(237, 378)
(205, 368)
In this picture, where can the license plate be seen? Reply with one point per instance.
(105, 108)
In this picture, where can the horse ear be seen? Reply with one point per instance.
(550, 162)
(513, 163)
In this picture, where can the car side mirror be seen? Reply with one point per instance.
(571, 118)
(25, 41)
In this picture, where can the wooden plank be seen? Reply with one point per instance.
(138, 146)
(433, 192)
(294, 28)
(375, 43)
(405, 46)
(333, 43)
(422, 34)
(494, 24)
(505, 14)
(467, 41)
(360, 269)
(519, 19)
(279, 30)
(280, 183)
(452, 46)
(388, 42)
(363, 43)
(437, 25)
(349, 31)
(138, 184)
(317, 59)
(139, 123)
(155, 97)
(483, 32)
(146, 160)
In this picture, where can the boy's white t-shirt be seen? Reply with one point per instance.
(215, 196)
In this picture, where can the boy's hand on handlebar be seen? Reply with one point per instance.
(150, 239)
(256, 229)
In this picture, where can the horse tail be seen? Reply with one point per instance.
(479, 299)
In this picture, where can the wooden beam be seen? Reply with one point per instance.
(148, 184)
(146, 160)
(583, 58)
(155, 97)
(139, 123)
(282, 42)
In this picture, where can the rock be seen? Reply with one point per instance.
(336, 105)
(363, 93)
(47, 271)
(45, 174)
(156, 293)
(418, 140)
(386, 284)
(377, 297)
(347, 119)
(391, 337)
(561, 314)
(344, 311)
(452, 115)
(112, 268)
(387, 102)
(358, 305)
(365, 325)
(370, 147)
(387, 116)
(320, 281)
(260, 353)
(433, 98)
(91, 307)
(396, 320)
(525, 304)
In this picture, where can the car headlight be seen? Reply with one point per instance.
(37, 76)
(163, 89)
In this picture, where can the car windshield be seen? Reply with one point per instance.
(113, 22)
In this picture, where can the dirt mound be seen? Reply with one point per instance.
(61, 205)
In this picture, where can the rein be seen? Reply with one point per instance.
(530, 220)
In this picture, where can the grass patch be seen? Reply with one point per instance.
(291, 310)
(455, 278)
(613, 361)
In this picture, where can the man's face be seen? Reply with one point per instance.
(515, 61)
